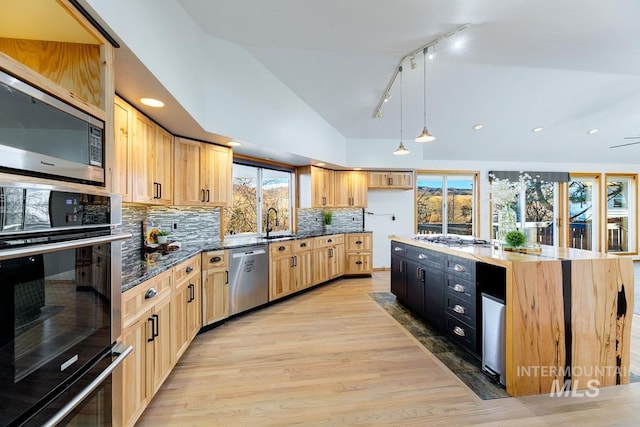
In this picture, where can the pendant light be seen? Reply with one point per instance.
(425, 136)
(400, 150)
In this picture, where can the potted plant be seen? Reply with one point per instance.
(326, 217)
(515, 239)
(162, 236)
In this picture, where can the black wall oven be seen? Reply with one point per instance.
(60, 284)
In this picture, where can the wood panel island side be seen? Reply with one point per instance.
(567, 317)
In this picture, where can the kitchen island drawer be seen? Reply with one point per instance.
(461, 333)
(460, 309)
(461, 288)
(426, 257)
(462, 267)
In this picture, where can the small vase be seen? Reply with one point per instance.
(162, 239)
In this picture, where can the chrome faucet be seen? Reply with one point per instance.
(269, 229)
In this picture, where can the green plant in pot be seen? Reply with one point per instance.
(515, 238)
(327, 216)
(162, 236)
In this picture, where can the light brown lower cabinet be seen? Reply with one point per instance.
(187, 304)
(359, 251)
(215, 287)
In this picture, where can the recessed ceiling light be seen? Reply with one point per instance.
(320, 164)
(538, 129)
(151, 102)
(478, 126)
(457, 44)
(592, 131)
(233, 144)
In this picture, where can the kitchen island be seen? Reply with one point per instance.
(567, 317)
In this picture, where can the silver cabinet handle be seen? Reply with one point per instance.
(422, 256)
(66, 410)
(458, 309)
(151, 292)
(458, 267)
(458, 288)
(397, 249)
(459, 331)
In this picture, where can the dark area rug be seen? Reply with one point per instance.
(464, 365)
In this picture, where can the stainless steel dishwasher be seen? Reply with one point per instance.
(248, 278)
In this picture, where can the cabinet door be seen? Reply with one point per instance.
(187, 190)
(181, 299)
(358, 182)
(399, 277)
(194, 308)
(135, 393)
(378, 180)
(434, 296)
(162, 164)
(322, 183)
(321, 267)
(216, 174)
(343, 191)
(142, 163)
(282, 279)
(337, 261)
(215, 296)
(162, 355)
(121, 172)
(415, 287)
(304, 270)
(402, 180)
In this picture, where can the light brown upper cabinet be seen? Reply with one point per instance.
(152, 162)
(202, 174)
(315, 187)
(123, 126)
(391, 180)
(350, 189)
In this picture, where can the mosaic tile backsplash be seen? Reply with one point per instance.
(192, 223)
(344, 220)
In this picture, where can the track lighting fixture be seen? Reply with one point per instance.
(411, 57)
(401, 150)
(425, 136)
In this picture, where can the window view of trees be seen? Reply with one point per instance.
(581, 213)
(255, 190)
(620, 223)
(445, 204)
(539, 210)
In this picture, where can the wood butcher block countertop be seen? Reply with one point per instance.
(568, 316)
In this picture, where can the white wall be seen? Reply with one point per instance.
(221, 86)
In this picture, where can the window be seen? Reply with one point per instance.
(259, 194)
(583, 212)
(446, 203)
(620, 216)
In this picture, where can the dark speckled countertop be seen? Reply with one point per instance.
(136, 271)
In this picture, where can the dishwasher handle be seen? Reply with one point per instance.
(253, 252)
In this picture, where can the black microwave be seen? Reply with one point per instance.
(42, 136)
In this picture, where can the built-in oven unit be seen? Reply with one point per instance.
(41, 135)
(60, 286)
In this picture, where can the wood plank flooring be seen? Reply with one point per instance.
(332, 356)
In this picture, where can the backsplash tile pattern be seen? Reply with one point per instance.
(344, 220)
(193, 223)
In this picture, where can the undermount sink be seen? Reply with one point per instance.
(279, 236)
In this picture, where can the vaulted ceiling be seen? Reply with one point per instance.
(566, 66)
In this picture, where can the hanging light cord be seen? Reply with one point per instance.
(424, 57)
(400, 71)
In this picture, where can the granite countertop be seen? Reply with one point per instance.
(146, 266)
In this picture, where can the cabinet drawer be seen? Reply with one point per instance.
(281, 248)
(460, 309)
(461, 288)
(461, 267)
(214, 259)
(358, 264)
(141, 298)
(333, 239)
(398, 249)
(358, 242)
(187, 268)
(432, 259)
(303, 245)
(461, 333)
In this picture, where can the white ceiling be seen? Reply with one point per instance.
(565, 65)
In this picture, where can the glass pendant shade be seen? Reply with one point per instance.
(425, 136)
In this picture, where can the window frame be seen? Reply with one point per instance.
(632, 215)
(475, 217)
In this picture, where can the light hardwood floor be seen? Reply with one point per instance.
(332, 356)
